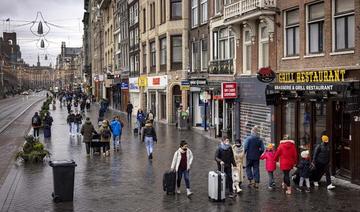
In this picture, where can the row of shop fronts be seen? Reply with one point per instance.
(304, 105)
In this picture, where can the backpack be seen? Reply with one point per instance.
(106, 133)
(35, 120)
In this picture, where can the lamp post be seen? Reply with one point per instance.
(1, 78)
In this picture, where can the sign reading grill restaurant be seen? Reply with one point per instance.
(326, 76)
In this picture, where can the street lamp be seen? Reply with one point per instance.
(1, 78)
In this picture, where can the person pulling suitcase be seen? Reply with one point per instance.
(181, 163)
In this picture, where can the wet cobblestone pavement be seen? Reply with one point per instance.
(128, 181)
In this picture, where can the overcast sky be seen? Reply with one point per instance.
(66, 15)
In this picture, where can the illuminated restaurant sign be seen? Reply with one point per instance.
(326, 76)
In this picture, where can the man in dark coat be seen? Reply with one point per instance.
(321, 161)
(129, 110)
(36, 124)
(87, 131)
(253, 148)
(48, 120)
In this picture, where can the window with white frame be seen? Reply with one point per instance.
(144, 59)
(344, 25)
(163, 51)
(223, 44)
(131, 16)
(176, 49)
(263, 46)
(204, 55)
(218, 6)
(136, 32)
(203, 11)
(132, 41)
(195, 56)
(194, 13)
(137, 63)
(247, 52)
(153, 54)
(292, 39)
(315, 27)
(136, 13)
(132, 63)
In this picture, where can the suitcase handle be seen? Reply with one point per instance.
(222, 167)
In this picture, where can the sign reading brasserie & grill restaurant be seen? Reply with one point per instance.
(325, 76)
(327, 80)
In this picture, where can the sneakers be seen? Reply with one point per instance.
(330, 187)
(307, 190)
(316, 184)
(283, 185)
(150, 156)
(231, 195)
(299, 189)
(178, 191)
(188, 192)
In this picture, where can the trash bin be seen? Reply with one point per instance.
(63, 175)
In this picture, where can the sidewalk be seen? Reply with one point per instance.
(127, 181)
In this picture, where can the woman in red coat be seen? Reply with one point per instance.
(288, 159)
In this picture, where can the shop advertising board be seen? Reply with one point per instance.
(185, 85)
(157, 82)
(134, 85)
(229, 90)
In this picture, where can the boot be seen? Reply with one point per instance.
(251, 183)
(256, 185)
(188, 192)
(288, 190)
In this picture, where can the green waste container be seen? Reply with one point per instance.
(63, 175)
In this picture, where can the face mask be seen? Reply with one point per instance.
(184, 149)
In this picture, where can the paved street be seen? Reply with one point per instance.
(11, 137)
(127, 181)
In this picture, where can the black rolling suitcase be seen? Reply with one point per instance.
(169, 181)
(95, 143)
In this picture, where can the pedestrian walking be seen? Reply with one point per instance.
(224, 156)
(239, 153)
(304, 168)
(287, 154)
(82, 106)
(253, 147)
(181, 164)
(88, 104)
(36, 124)
(69, 107)
(140, 119)
(87, 131)
(129, 109)
(150, 116)
(78, 122)
(105, 133)
(148, 135)
(321, 162)
(270, 164)
(48, 120)
(71, 122)
(116, 129)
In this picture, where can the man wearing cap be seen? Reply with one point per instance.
(321, 160)
(253, 148)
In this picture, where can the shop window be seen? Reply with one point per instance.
(315, 28)
(292, 33)
(304, 126)
(320, 121)
(344, 21)
(289, 120)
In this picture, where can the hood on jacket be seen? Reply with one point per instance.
(87, 122)
(287, 143)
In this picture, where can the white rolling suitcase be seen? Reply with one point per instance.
(216, 185)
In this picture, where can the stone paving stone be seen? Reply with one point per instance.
(128, 181)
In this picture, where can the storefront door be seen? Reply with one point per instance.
(176, 102)
(342, 140)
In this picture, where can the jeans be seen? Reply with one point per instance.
(271, 179)
(307, 181)
(77, 128)
(116, 141)
(186, 177)
(129, 118)
(36, 132)
(287, 177)
(252, 170)
(149, 142)
(324, 168)
(87, 145)
(72, 127)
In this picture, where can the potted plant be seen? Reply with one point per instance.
(33, 150)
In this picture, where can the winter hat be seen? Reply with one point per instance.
(305, 154)
(270, 146)
(325, 138)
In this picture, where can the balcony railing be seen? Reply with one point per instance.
(221, 67)
(243, 6)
